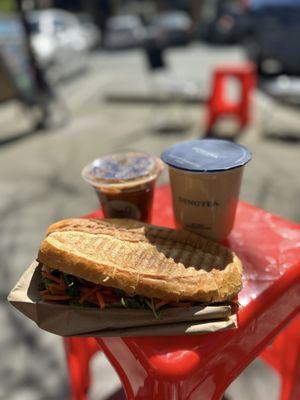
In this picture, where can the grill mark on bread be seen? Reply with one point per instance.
(199, 262)
(138, 233)
(204, 246)
(173, 253)
(107, 246)
(145, 260)
(196, 259)
(193, 256)
(137, 258)
(141, 258)
(207, 261)
(212, 248)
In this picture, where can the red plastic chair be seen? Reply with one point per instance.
(159, 369)
(219, 105)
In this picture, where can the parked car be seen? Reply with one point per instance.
(59, 42)
(274, 42)
(123, 32)
(91, 32)
(174, 27)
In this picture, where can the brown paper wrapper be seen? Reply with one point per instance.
(65, 320)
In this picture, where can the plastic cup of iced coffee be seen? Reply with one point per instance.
(205, 177)
(124, 183)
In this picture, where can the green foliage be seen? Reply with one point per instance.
(7, 5)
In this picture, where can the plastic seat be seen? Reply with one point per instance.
(219, 105)
(147, 366)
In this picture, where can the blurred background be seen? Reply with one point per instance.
(81, 78)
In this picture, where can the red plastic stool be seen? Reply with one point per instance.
(284, 356)
(79, 352)
(219, 105)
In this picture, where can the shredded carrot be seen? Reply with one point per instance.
(181, 304)
(43, 292)
(51, 277)
(88, 294)
(62, 283)
(94, 301)
(56, 289)
(160, 304)
(111, 299)
(56, 297)
(100, 299)
(84, 289)
(107, 291)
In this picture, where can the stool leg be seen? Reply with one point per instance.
(284, 357)
(143, 383)
(78, 353)
(290, 387)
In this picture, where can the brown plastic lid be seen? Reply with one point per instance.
(123, 169)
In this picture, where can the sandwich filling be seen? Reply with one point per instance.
(64, 288)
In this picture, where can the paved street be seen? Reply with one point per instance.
(40, 182)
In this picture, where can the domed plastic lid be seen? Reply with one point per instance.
(206, 155)
(120, 169)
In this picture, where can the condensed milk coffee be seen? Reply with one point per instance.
(124, 183)
(205, 177)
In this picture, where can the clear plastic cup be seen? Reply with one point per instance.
(205, 177)
(124, 183)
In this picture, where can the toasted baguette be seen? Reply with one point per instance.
(143, 259)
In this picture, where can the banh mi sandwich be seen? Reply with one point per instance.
(125, 263)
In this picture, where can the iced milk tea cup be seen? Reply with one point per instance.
(205, 177)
